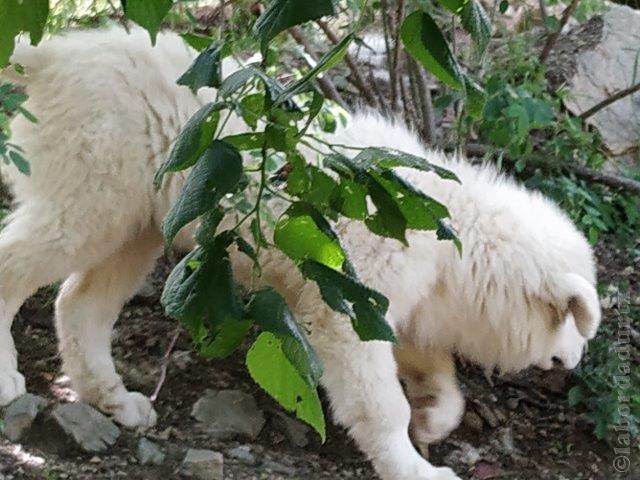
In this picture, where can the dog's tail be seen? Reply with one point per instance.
(25, 62)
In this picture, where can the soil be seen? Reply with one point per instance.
(519, 427)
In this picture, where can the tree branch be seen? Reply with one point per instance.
(326, 85)
(552, 38)
(619, 95)
(356, 76)
(585, 173)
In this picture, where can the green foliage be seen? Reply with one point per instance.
(149, 14)
(280, 119)
(11, 101)
(609, 392)
(283, 14)
(425, 42)
(20, 16)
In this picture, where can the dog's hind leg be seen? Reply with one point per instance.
(32, 254)
(86, 310)
(437, 403)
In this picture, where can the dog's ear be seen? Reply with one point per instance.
(581, 299)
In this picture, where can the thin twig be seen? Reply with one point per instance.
(119, 17)
(382, 100)
(395, 76)
(585, 173)
(552, 38)
(326, 85)
(426, 103)
(356, 76)
(619, 95)
(410, 115)
(165, 363)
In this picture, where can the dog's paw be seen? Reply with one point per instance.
(133, 410)
(11, 386)
(433, 418)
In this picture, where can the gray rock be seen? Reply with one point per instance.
(89, 429)
(228, 413)
(149, 453)
(604, 69)
(21, 414)
(473, 421)
(297, 432)
(466, 454)
(203, 465)
(243, 454)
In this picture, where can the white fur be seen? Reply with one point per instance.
(108, 111)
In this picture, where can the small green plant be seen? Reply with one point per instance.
(608, 384)
(11, 101)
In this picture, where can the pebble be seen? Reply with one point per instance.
(229, 413)
(473, 421)
(203, 465)
(21, 414)
(243, 454)
(89, 429)
(149, 453)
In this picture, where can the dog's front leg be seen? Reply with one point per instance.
(366, 396)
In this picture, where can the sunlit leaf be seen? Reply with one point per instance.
(271, 369)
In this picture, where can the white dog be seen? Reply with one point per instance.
(109, 109)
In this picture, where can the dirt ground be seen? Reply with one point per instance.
(516, 427)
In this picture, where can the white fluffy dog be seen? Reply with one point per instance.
(109, 109)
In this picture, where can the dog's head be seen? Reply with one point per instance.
(574, 317)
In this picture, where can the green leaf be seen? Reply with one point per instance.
(201, 291)
(301, 233)
(217, 173)
(388, 220)
(390, 158)
(283, 14)
(310, 183)
(252, 108)
(447, 232)
(34, 15)
(351, 199)
(269, 310)
(19, 161)
(205, 71)
(425, 42)
(575, 395)
(192, 141)
(20, 16)
(454, 6)
(197, 42)
(246, 141)
(224, 340)
(149, 14)
(329, 60)
(476, 21)
(504, 6)
(420, 210)
(271, 369)
(366, 307)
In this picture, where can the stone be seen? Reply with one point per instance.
(21, 414)
(598, 59)
(229, 413)
(473, 421)
(88, 428)
(243, 454)
(296, 431)
(203, 465)
(465, 454)
(148, 453)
